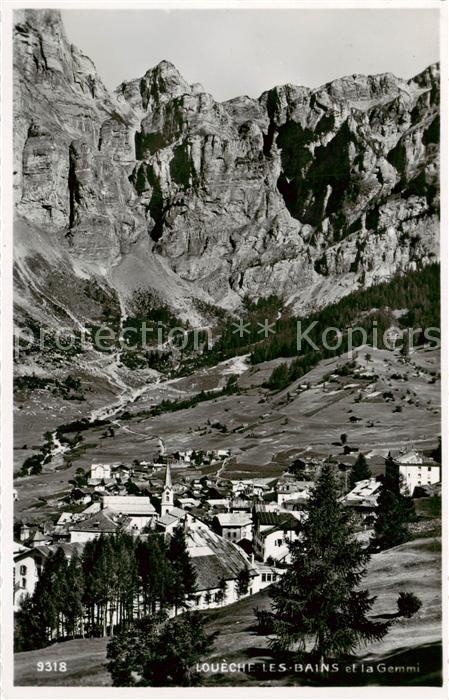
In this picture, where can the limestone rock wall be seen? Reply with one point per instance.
(306, 193)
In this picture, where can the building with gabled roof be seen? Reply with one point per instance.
(217, 564)
(364, 494)
(417, 470)
(98, 524)
(288, 490)
(233, 526)
(28, 563)
(98, 472)
(138, 509)
(273, 533)
(169, 521)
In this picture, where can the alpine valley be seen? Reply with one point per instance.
(227, 443)
(157, 202)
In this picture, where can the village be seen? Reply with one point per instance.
(229, 525)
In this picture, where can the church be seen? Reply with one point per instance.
(170, 516)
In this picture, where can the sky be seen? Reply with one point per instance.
(244, 52)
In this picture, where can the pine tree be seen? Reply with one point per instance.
(279, 377)
(29, 632)
(221, 593)
(359, 471)
(242, 583)
(42, 614)
(126, 576)
(154, 572)
(89, 593)
(317, 605)
(73, 607)
(183, 576)
(393, 512)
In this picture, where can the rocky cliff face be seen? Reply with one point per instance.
(306, 193)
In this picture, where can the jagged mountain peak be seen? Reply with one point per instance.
(428, 77)
(49, 19)
(306, 193)
(158, 85)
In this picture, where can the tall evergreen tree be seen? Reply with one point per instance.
(73, 588)
(393, 512)
(183, 576)
(359, 471)
(29, 630)
(153, 572)
(41, 617)
(318, 606)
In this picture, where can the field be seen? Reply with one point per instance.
(383, 405)
(416, 642)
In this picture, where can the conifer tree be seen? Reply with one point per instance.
(359, 471)
(29, 632)
(41, 615)
(73, 607)
(153, 572)
(242, 583)
(318, 606)
(221, 593)
(393, 512)
(183, 576)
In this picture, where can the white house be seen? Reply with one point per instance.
(138, 509)
(217, 502)
(188, 502)
(217, 564)
(28, 565)
(417, 470)
(273, 533)
(252, 487)
(99, 523)
(364, 494)
(121, 472)
(266, 574)
(292, 490)
(233, 526)
(100, 471)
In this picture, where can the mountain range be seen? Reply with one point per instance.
(308, 194)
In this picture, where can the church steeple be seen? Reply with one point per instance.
(167, 493)
(168, 476)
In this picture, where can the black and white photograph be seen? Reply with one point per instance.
(225, 430)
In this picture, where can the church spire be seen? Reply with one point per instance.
(167, 501)
(168, 477)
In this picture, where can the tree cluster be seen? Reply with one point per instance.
(159, 652)
(114, 580)
(418, 291)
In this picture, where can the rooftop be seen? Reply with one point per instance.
(233, 519)
(129, 505)
(167, 519)
(281, 521)
(214, 558)
(45, 550)
(363, 490)
(100, 522)
(415, 458)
